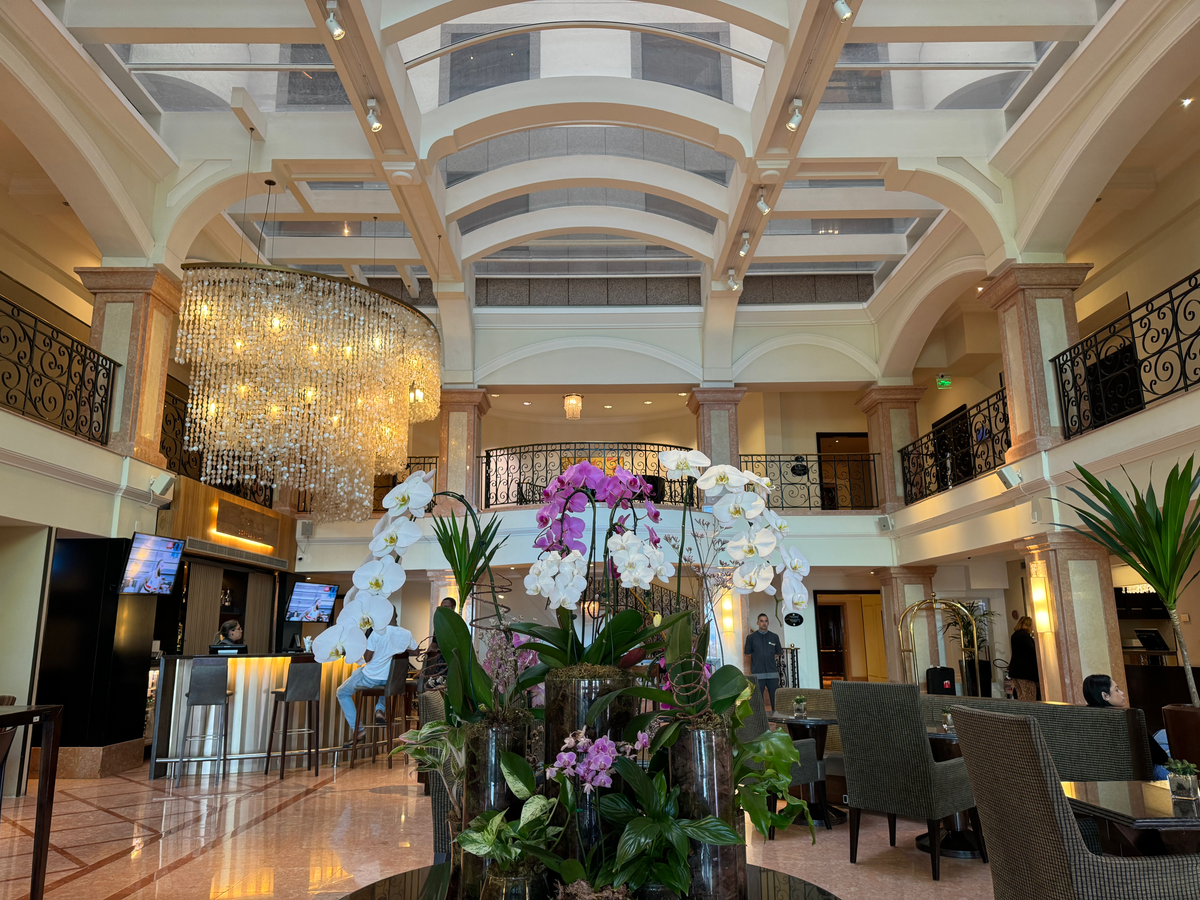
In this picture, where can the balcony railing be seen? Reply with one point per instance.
(818, 480)
(518, 475)
(1150, 353)
(190, 463)
(384, 483)
(958, 449)
(51, 377)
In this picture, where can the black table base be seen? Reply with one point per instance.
(955, 844)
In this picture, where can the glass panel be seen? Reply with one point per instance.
(783, 268)
(586, 196)
(670, 61)
(839, 226)
(347, 185)
(598, 140)
(340, 228)
(501, 61)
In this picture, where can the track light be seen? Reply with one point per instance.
(731, 281)
(745, 248)
(793, 124)
(372, 118)
(762, 204)
(332, 23)
(843, 10)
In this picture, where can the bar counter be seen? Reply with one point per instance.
(251, 678)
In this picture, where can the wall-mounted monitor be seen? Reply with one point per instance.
(152, 566)
(311, 602)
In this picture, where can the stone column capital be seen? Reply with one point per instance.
(912, 573)
(1072, 543)
(727, 397)
(156, 282)
(1048, 279)
(466, 400)
(890, 395)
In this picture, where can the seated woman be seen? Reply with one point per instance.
(1100, 691)
(230, 634)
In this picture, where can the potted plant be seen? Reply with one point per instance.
(800, 706)
(762, 773)
(977, 663)
(947, 719)
(1159, 543)
(1181, 777)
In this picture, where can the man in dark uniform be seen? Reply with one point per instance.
(762, 653)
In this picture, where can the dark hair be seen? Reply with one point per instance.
(449, 603)
(227, 627)
(763, 616)
(1094, 689)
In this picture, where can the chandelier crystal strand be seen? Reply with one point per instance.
(303, 381)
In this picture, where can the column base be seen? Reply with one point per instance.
(94, 762)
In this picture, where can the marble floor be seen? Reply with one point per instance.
(130, 838)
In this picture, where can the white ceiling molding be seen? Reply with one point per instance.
(686, 365)
(802, 340)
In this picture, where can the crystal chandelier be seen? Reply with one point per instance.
(303, 381)
(573, 404)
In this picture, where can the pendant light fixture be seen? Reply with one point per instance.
(573, 404)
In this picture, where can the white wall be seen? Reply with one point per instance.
(22, 572)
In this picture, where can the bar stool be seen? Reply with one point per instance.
(209, 686)
(397, 705)
(303, 686)
(364, 706)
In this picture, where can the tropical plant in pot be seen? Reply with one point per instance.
(971, 619)
(1159, 543)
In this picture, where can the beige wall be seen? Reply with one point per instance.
(677, 428)
(964, 390)
(804, 413)
(22, 572)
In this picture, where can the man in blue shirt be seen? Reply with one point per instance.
(762, 652)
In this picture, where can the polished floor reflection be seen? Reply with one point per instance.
(129, 837)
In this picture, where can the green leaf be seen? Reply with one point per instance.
(637, 837)
(679, 639)
(674, 833)
(711, 830)
(475, 844)
(617, 808)
(536, 807)
(631, 773)
(572, 871)
(519, 775)
(728, 681)
(665, 737)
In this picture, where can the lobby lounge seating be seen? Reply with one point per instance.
(1086, 743)
(890, 766)
(1035, 842)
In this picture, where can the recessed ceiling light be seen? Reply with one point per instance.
(1187, 101)
(608, 406)
(495, 395)
(528, 402)
(647, 402)
(979, 289)
(683, 393)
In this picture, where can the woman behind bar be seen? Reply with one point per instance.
(230, 634)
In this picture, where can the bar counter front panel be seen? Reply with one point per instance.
(251, 678)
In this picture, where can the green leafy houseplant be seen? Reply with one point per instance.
(624, 640)
(436, 747)
(1158, 543)
(1180, 767)
(762, 771)
(654, 841)
(469, 556)
(958, 625)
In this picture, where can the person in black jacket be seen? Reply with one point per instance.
(1022, 666)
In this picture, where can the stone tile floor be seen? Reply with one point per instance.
(130, 838)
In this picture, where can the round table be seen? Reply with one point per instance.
(959, 842)
(432, 883)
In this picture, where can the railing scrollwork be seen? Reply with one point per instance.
(958, 449)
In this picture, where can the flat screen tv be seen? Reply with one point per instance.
(152, 566)
(311, 602)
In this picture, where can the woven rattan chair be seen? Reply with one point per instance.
(889, 766)
(1036, 845)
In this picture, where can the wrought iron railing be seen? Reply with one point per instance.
(958, 449)
(518, 475)
(818, 480)
(51, 377)
(1150, 353)
(190, 463)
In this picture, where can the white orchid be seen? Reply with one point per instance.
(663, 568)
(568, 587)
(762, 484)
(622, 546)
(411, 496)
(753, 576)
(679, 463)
(755, 544)
(366, 611)
(777, 524)
(718, 479)
(635, 571)
(379, 577)
(793, 564)
(738, 505)
(339, 642)
(794, 592)
(560, 579)
(396, 537)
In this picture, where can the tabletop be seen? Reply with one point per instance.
(799, 720)
(1134, 804)
(937, 733)
(12, 716)
(435, 883)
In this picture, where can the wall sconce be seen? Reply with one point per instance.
(1039, 594)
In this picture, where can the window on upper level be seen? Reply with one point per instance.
(683, 64)
(504, 60)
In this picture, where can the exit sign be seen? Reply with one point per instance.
(943, 382)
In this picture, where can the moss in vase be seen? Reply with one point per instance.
(581, 890)
(582, 671)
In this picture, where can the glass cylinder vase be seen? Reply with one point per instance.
(484, 787)
(1183, 787)
(701, 765)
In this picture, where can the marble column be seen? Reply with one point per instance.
(716, 423)
(899, 588)
(1036, 304)
(134, 322)
(891, 412)
(458, 469)
(441, 586)
(1074, 613)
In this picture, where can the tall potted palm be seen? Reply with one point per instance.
(1159, 543)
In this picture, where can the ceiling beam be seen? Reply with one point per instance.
(925, 21)
(853, 203)
(775, 248)
(210, 22)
